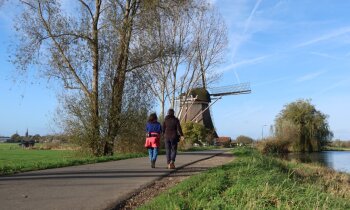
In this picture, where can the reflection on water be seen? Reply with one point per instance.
(338, 160)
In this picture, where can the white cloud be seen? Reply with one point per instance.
(271, 81)
(244, 35)
(244, 62)
(325, 55)
(333, 86)
(249, 20)
(333, 34)
(310, 76)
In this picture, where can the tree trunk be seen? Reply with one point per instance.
(119, 80)
(95, 87)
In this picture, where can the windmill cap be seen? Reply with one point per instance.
(201, 93)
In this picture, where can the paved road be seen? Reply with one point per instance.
(93, 186)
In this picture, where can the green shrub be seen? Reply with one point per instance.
(244, 140)
(273, 146)
(194, 132)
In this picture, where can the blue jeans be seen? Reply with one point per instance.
(153, 153)
(171, 150)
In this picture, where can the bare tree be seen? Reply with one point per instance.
(210, 41)
(193, 39)
(203, 48)
(66, 47)
(91, 52)
(96, 52)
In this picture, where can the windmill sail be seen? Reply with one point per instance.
(242, 88)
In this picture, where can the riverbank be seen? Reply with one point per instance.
(336, 149)
(254, 181)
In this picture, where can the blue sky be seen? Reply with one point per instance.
(286, 49)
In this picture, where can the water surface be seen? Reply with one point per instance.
(338, 160)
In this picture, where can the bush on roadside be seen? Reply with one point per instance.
(194, 132)
(285, 139)
(273, 146)
(185, 145)
(132, 133)
(244, 140)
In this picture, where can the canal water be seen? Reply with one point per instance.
(338, 160)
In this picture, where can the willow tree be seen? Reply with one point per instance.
(310, 126)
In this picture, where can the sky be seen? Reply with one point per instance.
(286, 49)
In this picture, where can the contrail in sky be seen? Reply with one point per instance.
(245, 30)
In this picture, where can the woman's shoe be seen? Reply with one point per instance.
(153, 164)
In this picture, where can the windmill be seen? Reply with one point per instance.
(195, 105)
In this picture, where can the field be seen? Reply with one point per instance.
(254, 181)
(14, 159)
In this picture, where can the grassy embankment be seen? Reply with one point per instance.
(14, 159)
(254, 181)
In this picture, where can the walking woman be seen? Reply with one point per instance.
(172, 132)
(153, 129)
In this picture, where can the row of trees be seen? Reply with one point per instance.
(16, 138)
(115, 58)
(340, 143)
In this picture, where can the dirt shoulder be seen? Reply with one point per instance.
(158, 187)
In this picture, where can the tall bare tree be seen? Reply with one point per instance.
(210, 41)
(66, 47)
(98, 50)
(198, 37)
(93, 53)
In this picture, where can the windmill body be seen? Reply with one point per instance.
(195, 105)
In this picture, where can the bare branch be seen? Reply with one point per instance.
(88, 8)
(71, 68)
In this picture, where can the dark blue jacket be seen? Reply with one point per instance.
(153, 127)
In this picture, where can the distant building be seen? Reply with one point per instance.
(4, 139)
(223, 141)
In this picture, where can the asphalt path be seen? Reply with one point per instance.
(93, 186)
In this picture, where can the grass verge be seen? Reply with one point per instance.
(254, 181)
(194, 149)
(14, 159)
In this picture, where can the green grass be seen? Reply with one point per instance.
(253, 181)
(193, 149)
(14, 159)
